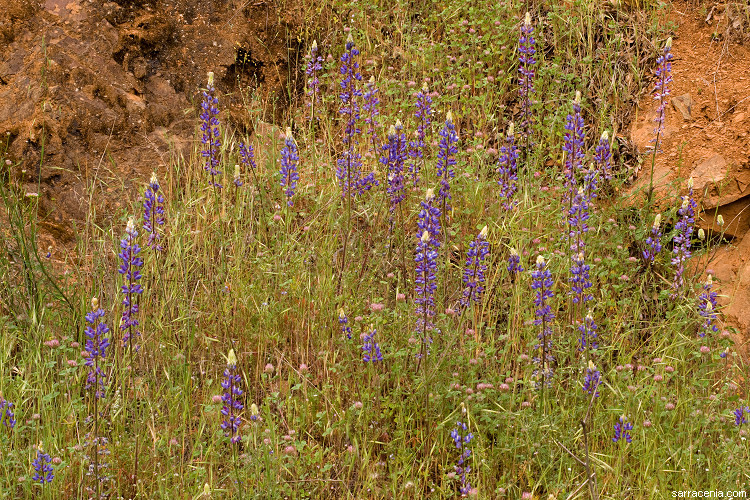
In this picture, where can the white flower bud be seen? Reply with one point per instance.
(231, 358)
(210, 78)
(511, 130)
(720, 220)
(449, 117)
(657, 221)
(425, 237)
(527, 19)
(540, 261)
(701, 234)
(483, 232)
(153, 179)
(430, 194)
(94, 303)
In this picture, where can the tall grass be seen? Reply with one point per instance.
(242, 270)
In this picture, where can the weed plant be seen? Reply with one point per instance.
(356, 371)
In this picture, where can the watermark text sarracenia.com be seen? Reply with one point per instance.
(709, 494)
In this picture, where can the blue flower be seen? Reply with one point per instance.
(661, 88)
(210, 129)
(7, 417)
(344, 322)
(289, 159)
(739, 417)
(314, 65)
(43, 468)
(514, 264)
(461, 439)
(542, 283)
(371, 108)
(508, 170)
(603, 156)
(418, 147)
(446, 160)
(592, 380)
(682, 238)
(130, 269)
(230, 398)
(707, 305)
(653, 242)
(96, 347)
(475, 268)
(371, 349)
(394, 158)
(526, 52)
(153, 213)
(574, 146)
(622, 429)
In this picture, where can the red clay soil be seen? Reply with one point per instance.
(98, 93)
(707, 137)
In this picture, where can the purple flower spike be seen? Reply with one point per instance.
(349, 171)
(96, 347)
(417, 148)
(247, 155)
(7, 417)
(661, 89)
(446, 160)
(426, 266)
(475, 268)
(371, 349)
(289, 159)
(514, 264)
(210, 128)
(394, 158)
(344, 322)
(461, 438)
(526, 52)
(682, 239)
(592, 381)
(230, 398)
(707, 308)
(622, 430)
(508, 170)
(739, 417)
(587, 330)
(153, 213)
(314, 65)
(653, 242)
(574, 145)
(43, 470)
(603, 157)
(371, 108)
(542, 283)
(130, 269)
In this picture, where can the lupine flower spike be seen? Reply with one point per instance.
(43, 470)
(592, 381)
(426, 266)
(130, 269)
(473, 277)
(394, 158)
(314, 65)
(210, 128)
(349, 170)
(237, 178)
(96, 347)
(603, 157)
(289, 159)
(344, 322)
(462, 438)
(230, 398)
(574, 146)
(622, 430)
(247, 155)
(417, 148)
(707, 308)
(661, 93)
(508, 170)
(739, 417)
(526, 52)
(542, 283)
(653, 242)
(7, 417)
(370, 107)
(514, 264)
(371, 349)
(587, 329)
(683, 236)
(153, 213)
(446, 161)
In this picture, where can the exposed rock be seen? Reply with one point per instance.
(684, 104)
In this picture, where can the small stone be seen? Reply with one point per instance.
(684, 104)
